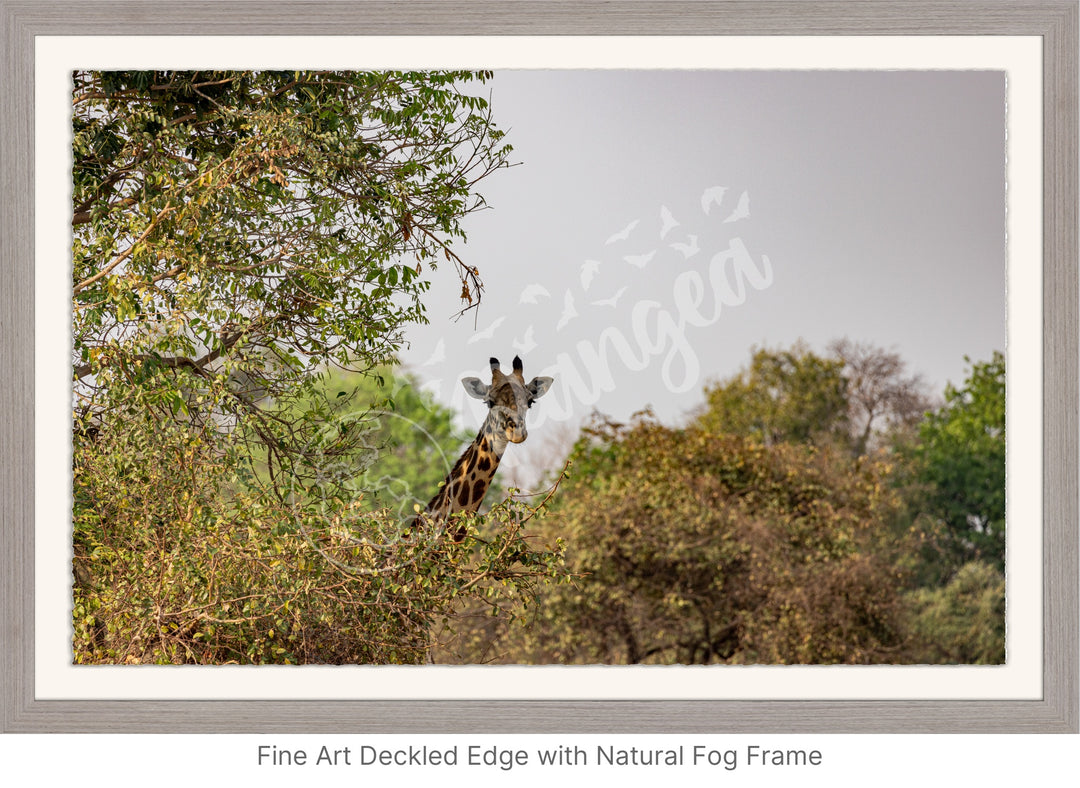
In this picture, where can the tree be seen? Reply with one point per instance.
(883, 397)
(694, 547)
(960, 461)
(237, 234)
(854, 395)
(409, 439)
(784, 395)
(234, 231)
(963, 622)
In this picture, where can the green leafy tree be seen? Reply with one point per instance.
(960, 465)
(410, 438)
(963, 622)
(236, 231)
(791, 395)
(235, 234)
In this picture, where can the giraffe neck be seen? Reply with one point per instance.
(464, 487)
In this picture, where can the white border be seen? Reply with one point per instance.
(56, 678)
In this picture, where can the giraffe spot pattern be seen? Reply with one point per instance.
(465, 486)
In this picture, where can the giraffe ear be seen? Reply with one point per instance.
(538, 386)
(475, 387)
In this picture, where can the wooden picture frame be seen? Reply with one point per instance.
(1054, 21)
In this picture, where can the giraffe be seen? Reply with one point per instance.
(508, 399)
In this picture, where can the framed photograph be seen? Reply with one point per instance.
(765, 313)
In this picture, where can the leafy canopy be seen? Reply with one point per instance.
(236, 231)
(783, 395)
(961, 462)
(693, 547)
(857, 395)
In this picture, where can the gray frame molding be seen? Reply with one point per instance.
(1054, 20)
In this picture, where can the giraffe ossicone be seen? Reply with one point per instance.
(508, 398)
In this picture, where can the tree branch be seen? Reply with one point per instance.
(176, 362)
(126, 253)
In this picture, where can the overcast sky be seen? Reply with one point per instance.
(667, 222)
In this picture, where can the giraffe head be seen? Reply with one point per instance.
(508, 398)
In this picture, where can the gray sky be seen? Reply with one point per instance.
(868, 205)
